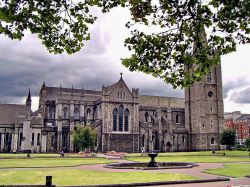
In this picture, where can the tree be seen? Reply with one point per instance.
(84, 137)
(247, 143)
(168, 53)
(228, 138)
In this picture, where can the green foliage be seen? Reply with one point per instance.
(228, 138)
(84, 137)
(247, 143)
(179, 51)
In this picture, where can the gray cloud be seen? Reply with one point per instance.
(241, 97)
(233, 84)
(26, 64)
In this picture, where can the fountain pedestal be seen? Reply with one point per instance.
(152, 162)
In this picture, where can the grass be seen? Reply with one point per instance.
(83, 177)
(50, 162)
(22, 155)
(178, 158)
(200, 153)
(232, 170)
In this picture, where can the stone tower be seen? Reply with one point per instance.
(204, 111)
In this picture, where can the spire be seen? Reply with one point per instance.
(29, 94)
(72, 90)
(28, 100)
(201, 39)
(60, 90)
(82, 89)
(121, 75)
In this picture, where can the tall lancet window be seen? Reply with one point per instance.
(65, 113)
(51, 112)
(146, 117)
(121, 109)
(115, 113)
(177, 120)
(88, 113)
(126, 120)
(76, 114)
(209, 77)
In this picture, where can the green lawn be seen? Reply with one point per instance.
(50, 162)
(83, 177)
(200, 153)
(177, 158)
(21, 155)
(232, 170)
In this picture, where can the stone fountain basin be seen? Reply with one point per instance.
(144, 165)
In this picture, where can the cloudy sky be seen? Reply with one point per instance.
(26, 64)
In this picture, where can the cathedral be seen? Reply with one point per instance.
(123, 119)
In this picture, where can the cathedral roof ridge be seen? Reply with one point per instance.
(163, 96)
(76, 90)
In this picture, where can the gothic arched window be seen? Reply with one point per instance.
(88, 113)
(65, 113)
(121, 109)
(143, 140)
(115, 113)
(146, 117)
(76, 114)
(126, 119)
(183, 139)
(177, 120)
(38, 139)
(51, 112)
(209, 77)
(20, 138)
(212, 140)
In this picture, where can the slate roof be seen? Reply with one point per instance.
(9, 113)
(243, 117)
(51, 92)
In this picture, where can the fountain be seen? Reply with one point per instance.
(151, 165)
(152, 162)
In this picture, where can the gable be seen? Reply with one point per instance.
(120, 92)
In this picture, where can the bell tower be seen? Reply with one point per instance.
(204, 111)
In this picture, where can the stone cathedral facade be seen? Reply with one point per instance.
(124, 119)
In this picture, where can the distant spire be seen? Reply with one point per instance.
(72, 90)
(82, 91)
(43, 85)
(60, 90)
(121, 75)
(201, 40)
(29, 97)
(28, 100)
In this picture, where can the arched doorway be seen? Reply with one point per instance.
(169, 145)
(7, 146)
(162, 146)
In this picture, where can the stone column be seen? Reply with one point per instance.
(82, 113)
(59, 135)
(71, 145)
(2, 142)
(44, 143)
(150, 143)
(14, 141)
(27, 131)
(159, 128)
